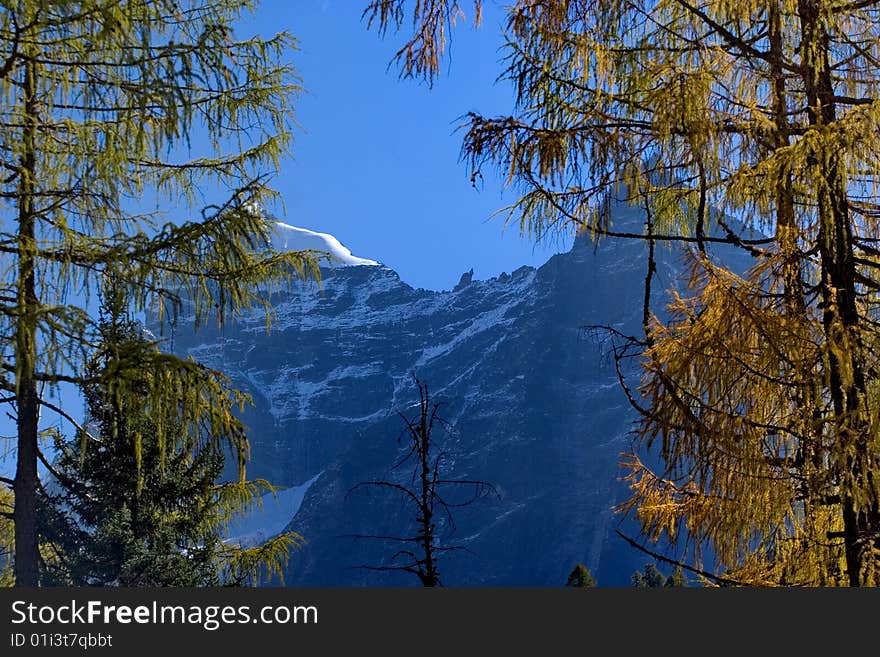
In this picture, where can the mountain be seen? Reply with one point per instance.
(532, 402)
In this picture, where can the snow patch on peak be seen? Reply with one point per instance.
(290, 238)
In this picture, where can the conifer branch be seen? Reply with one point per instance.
(724, 581)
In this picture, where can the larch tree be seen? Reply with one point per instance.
(136, 140)
(721, 119)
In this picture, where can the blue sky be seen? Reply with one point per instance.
(376, 162)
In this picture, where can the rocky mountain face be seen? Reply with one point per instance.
(532, 403)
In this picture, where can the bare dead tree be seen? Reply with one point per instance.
(424, 495)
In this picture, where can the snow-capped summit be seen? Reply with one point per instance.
(533, 406)
(290, 238)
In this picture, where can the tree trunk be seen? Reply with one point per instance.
(846, 377)
(430, 577)
(25, 512)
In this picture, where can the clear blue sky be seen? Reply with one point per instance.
(376, 162)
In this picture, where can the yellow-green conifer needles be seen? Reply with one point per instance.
(109, 108)
(720, 118)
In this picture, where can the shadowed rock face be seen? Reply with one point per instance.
(534, 408)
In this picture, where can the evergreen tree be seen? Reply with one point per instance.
(114, 532)
(581, 578)
(676, 579)
(720, 119)
(638, 580)
(652, 578)
(130, 513)
(99, 100)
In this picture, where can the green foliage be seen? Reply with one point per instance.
(580, 578)
(255, 564)
(129, 511)
(7, 538)
(677, 579)
(652, 578)
(115, 532)
(100, 101)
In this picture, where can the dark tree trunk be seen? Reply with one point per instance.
(846, 379)
(25, 513)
